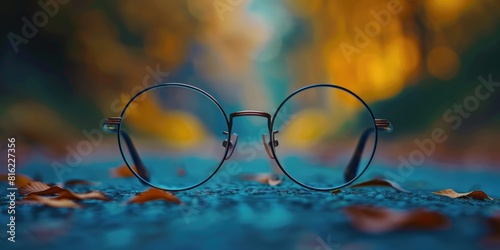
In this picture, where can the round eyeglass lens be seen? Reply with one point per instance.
(326, 136)
(177, 133)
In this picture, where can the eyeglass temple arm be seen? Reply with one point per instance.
(111, 126)
(352, 167)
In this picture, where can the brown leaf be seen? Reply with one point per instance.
(39, 188)
(337, 191)
(380, 220)
(59, 203)
(33, 187)
(20, 181)
(79, 183)
(123, 172)
(153, 194)
(380, 182)
(476, 195)
(92, 195)
(42, 189)
(265, 178)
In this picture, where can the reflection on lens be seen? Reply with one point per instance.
(326, 136)
(177, 132)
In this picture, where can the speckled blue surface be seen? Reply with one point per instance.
(245, 215)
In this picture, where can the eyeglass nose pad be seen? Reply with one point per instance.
(267, 144)
(231, 144)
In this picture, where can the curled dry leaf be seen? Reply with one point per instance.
(39, 188)
(33, 187)
(42, 189)
(153, 194)
(92, 195)
(20, 180)
(380, 182)
(59, 203)
(265, 178)
(380, 220)
(71, 183)
(476, 195)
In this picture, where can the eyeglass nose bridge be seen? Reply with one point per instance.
(265, 141)
(250, 113)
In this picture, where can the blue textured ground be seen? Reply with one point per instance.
(245, 215)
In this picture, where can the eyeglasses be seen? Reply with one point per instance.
(176, 136)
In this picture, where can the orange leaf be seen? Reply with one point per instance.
(153, 194)
(380, 182)
(20, 181)
(477, 194)
(33, 187)
(59, 203)
(380, 220)
(92, 195)
(39, 188)
(42, 189)
(123, 171)
(264, 178)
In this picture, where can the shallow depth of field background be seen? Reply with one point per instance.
(92, 56)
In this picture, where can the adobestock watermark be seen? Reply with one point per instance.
(453, 116)
(94, 137)
(31, 26)
(373, 28)
(224, 6)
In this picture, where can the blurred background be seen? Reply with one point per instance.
(66, 65)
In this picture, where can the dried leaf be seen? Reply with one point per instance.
(337, 191)
(380, 220)
(92, 195)
(153, 194)
(264, 178)
(71, 183)
(59, 203)
(476, 195)
(33, 187)
(380, 182)
(273, 182)
(123, 172)
(39, 188)
(42, 189)
(20, 181)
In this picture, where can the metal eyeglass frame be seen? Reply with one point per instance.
(114, 125)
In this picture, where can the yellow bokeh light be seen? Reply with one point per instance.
(179, 129)
(444, 12)
(306, 128)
